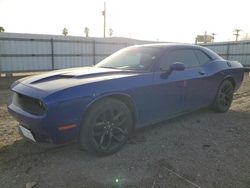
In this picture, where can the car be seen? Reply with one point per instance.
(100, 106)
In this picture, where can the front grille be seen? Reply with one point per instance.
(28, 104)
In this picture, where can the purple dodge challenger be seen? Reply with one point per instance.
(100, 106)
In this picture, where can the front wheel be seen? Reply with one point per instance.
(106, 128)
(224, 97)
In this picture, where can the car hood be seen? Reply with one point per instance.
(62, 79)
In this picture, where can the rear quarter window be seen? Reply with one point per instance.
(202, 57)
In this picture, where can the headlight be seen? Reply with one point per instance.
(41, 105)
(29, 104)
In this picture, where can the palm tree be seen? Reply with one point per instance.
(86, 31)
(111, 32)
(65, 31)
(1, 29)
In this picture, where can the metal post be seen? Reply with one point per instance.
(0, 67)
(228, 50)
(205, 37)
(93, 52)
(52, 54)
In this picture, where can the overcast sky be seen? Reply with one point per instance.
(166, 20)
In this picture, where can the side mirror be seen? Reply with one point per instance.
(177, 66)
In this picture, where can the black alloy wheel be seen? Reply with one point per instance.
(107, 127)
(224, 97)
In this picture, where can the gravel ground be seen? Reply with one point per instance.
(201, 149)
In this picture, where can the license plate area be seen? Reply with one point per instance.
(27, 133)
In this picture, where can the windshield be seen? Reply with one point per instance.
(132, 59)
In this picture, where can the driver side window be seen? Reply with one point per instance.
(185, 56)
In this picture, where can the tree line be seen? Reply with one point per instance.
(65, 32)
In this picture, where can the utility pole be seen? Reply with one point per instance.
(213, 34)
(104, 20)
(237, 34)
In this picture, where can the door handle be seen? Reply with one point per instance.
(201, 72)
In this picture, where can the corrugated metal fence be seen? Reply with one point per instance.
(30, 52)
(235, 51)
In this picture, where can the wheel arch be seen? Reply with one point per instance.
(215, 104)
(228, 77)
(231, 79)
(123, 97)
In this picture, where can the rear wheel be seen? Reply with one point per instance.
(106, 128)
(224, 97)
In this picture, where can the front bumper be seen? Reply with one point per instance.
(48, 143)
(61, 121)
(43, 129)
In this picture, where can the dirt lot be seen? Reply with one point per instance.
(201, 149)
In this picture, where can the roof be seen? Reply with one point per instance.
(171, 46)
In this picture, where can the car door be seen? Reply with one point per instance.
(168, 89)
(200, 87)
(180, 91)
(196, 86)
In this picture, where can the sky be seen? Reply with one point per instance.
(163, 20)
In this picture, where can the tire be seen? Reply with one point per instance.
(106, 127)
(224, 97)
